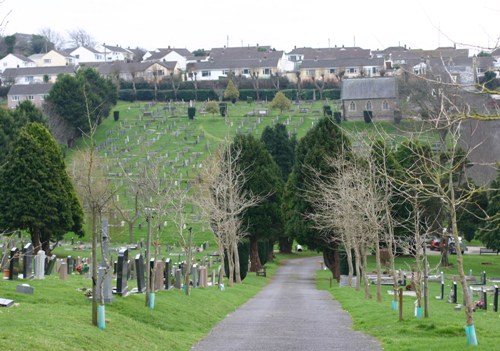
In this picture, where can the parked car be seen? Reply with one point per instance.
(435, 245)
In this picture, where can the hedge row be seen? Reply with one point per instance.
(209, 94)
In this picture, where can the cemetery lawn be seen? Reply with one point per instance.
(443, 330)
(58, 315)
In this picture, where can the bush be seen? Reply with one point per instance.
(263, 251)
(126, 95)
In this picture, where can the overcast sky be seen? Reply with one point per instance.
(196, 24)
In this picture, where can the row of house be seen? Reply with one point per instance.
(254, 62)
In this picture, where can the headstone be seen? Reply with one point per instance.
(213, 277)
(194, 275)
(27, 261)
(63, 271)
(25, 289)
(40, 265)
(50, 265)
(69, 263)
(6, 302)
(139, 268)
(104, 285)
(178, 279)
(168, 272)
(160, 276)
(14, 263)
(129, 269)
(122, 272)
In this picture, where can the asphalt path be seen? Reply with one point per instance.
(289, 314)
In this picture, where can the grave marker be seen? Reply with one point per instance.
(40, 265)
(27, 261)
(139, 268)
(122, 272)
(14, 263)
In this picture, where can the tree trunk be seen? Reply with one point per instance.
(94, 266)
(444, 251)
(131, 232)
(331, 257)
(379, 269)
(35, 240)
(237, 270)
(366, 284)
(357, 256)
(255, 264)
(285, 244)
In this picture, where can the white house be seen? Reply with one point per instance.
(32, 75)
(181, 56)
(84, 54)
(115, 53)
(15, 61)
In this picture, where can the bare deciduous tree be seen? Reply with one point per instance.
(80, 37)
(53, 37)
(223, 200)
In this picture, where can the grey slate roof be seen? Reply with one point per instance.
(30, 89)
(352, 62)
(33, 71)
(331, 53)
(22, 57)
(244, 53)
(127, 67)
(237, 64)
(369, 88)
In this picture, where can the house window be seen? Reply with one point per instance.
(15, 98)
(368, 105)
(29, 79)
(225, 72)
(205, 73)
(374, 70)
(333, 70)
(47, 61)
(31, 97)
(266, 71)
(352, 106)
(352, 70)
(246, 71)
(311, 73)
(385, 105)
(160, 72)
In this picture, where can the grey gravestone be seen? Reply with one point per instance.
(14, 263)
(28, 261)
(160, 275)
(178, 279)
(25, 289)
(40, 265)
(63, 271)
(104, 281)
(122, 272)
(139, 268)
(213, 277)
(194, 274)
(129, 269)
(6, 302)
(168, 272)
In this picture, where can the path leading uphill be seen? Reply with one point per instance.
(289, 314)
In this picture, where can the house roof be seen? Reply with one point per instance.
(128, 67)
(331, 53)
(22, 57)
(116, 49)
(30, 89)
(369, 88)
(33, 71)
(330, 63)
(236, 64)
(244, 53)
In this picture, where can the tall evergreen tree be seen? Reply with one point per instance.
(490, 232)
(325, 139)
(36, 193)
(263, 221)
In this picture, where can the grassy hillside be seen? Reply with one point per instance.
(145, 131)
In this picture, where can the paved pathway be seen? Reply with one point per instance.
(289, 314)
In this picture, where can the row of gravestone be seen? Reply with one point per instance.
(25, 263)
(161, 273)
